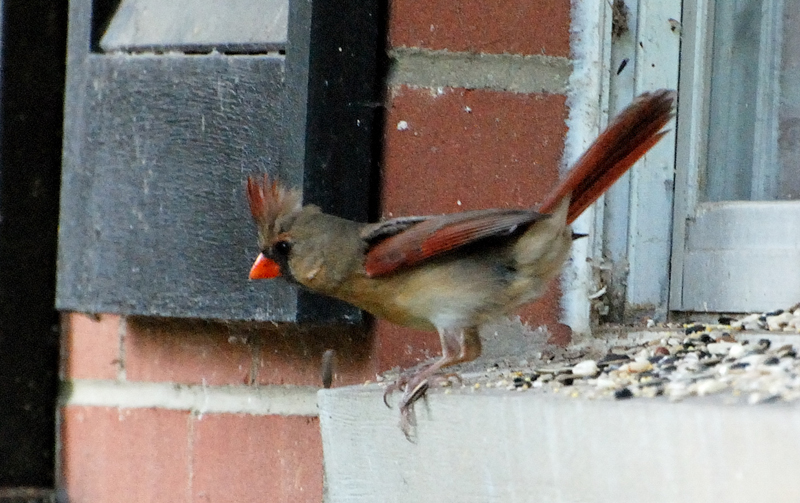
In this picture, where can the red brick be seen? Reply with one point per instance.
(293, 355)
(185, 351)
(246, 458)
(507, 26)
(125, 455)
(90, 347)
(480, 148)
(403, 347)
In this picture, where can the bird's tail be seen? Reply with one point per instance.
(629, 136)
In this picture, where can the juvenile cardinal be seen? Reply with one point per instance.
(450, 273)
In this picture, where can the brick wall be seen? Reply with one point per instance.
(168, 410)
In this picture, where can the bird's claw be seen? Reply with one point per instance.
(414, 390)
(400, 384)
(414, 386)
(403, 382)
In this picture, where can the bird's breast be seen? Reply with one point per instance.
(447, 293)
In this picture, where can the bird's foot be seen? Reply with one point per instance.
(414, 385)
(415, 391)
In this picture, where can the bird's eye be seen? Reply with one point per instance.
(282, 247)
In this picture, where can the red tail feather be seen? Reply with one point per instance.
(632, 133)
(625, 140)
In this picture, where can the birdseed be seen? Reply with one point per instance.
(698, 360)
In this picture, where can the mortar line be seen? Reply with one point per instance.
(501, 72)
(285, 400)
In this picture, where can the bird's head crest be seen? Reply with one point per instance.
(273, 207)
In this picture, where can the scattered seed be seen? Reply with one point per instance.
(701, 359)
(696, 327)
(586, 368)
(661, 351)
(623, 394)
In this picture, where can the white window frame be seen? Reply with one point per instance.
(725, 253)
(637, 227)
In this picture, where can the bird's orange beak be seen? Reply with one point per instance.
(264, 268)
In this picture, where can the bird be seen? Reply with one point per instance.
(450, 273)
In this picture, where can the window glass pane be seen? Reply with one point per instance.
(754, 121)
(789, 109)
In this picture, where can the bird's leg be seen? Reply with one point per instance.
(458, 346)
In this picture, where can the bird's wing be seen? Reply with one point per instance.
(429, 237)
(374, 233)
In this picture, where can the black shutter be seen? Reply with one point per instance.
(163, 125)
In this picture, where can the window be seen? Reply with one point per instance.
(710, 220)
(754, 122)
(737, 213)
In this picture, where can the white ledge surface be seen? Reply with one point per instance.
(505, 446)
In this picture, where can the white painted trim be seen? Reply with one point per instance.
(261, 400)
(585, 96)
(631, 223)
(690, 154)
(652, 179)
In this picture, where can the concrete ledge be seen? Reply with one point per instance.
(497, 445)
